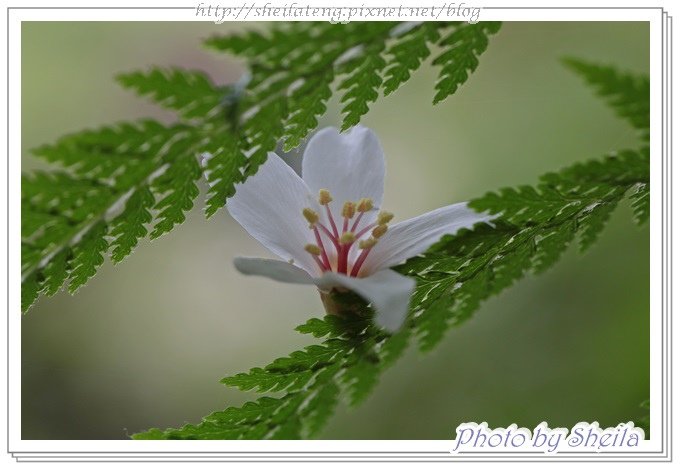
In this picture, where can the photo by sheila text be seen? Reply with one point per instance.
(585, 437)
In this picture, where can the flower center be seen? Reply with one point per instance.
(343, 259)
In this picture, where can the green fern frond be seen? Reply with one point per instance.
(87, 256)
(453, 278)
(262, 132)
(121, 183)
(461, 56)
(643, 421)
(626, 93)
(408, 53)
(266, 418)
(55, 272)
(523, 239)
(290, 373)
(223, 170)
(306, 104)
(361, 86)
(348, 363)
(177, 189)
(533, 228)
(123, 178)
(116, 175)
(130, 225)
(640, 197)
(594, 224)
(190, 93)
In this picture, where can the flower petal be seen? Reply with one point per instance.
(350, 165)
(411, 237)
(273, 269)
(388, 291)
(269, 206)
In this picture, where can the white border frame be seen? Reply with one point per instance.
(660, 229)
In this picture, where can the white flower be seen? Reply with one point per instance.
(327, 225)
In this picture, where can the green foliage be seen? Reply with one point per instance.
(121, 183)
(640, 199)
(292, 372)
(462, 47)
(643, 421)
(533, 228)
(306, 103)
(87, 256)
(536, 224)
(528, 236)
(407, 54)
(454, 277)
(313, 379)
(116, 176)
(190, 93)
(365, 56)
(626, 93)
(177, 190)
(130, 226)
(223, 169)
(266, 418)
(362, 86)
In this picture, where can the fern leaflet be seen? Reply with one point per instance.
(116, 181)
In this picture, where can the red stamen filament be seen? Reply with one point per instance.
(324, 255)
(342, 258)
(356, 222)
(365, 229)
(342, 249)
(330, 236)
(360, 261)
(332, 221)
(318, 262)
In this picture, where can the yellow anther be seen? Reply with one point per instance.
(384, 217)
(313, 249)
(324, 197)
(379, 231)
(347, 237)
(365, 204)
(311, 216)
(367, 243)
(348, 209)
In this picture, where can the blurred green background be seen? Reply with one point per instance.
(145, 343)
